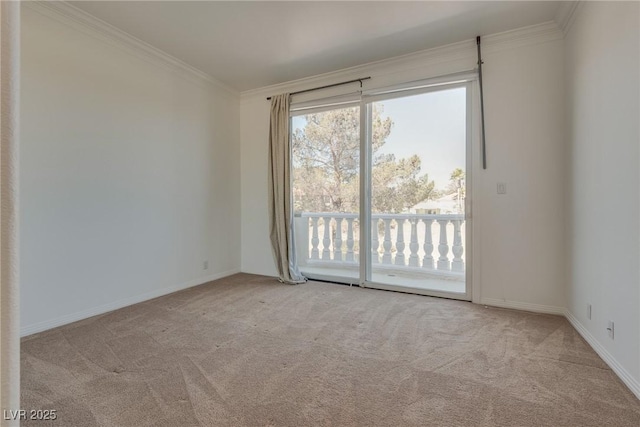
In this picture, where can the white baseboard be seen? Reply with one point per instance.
(84, 314)
(609, 359)
(536, 308)
(623, 374)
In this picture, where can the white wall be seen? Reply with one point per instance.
(129, 176)
(603, 136)
(256, 256)
(520, 257)
(521, 246)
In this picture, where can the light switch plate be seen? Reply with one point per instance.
(502, 188)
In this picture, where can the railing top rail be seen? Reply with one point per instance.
(454, 217)
(326, 214)
(418, 216)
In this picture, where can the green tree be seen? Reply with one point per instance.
(397, 185)
(326, 165)
(457, 186)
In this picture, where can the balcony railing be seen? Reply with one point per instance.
(429, 243)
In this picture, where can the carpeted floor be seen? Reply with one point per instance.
(248, 351)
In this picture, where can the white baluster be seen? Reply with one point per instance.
(326, 239)
(386, 243)
(349, 239)
(457, 249)
(427, 261)
(443, 247)
(414, 261)
(337, 243)
(400, 242)
(375, 242)
(315, 254)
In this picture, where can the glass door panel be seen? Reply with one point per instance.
(417, 164)
(326, 192)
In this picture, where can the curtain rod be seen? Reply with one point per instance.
(328, 86)
(484, 143)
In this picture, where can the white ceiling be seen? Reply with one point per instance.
(247, 45)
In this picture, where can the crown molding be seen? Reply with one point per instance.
(521, 37)
(76, 18)
(566, 14)
(465, 50)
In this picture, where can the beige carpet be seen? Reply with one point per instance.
(248, 351)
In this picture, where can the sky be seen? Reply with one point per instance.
(431, 125)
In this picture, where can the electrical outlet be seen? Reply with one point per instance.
(502, 188)
(589, 311)
(611, 329)
(205, 265)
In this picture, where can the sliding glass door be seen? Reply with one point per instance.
(397, 162)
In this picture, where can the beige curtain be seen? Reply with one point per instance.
(280, 208)
(9, 141)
